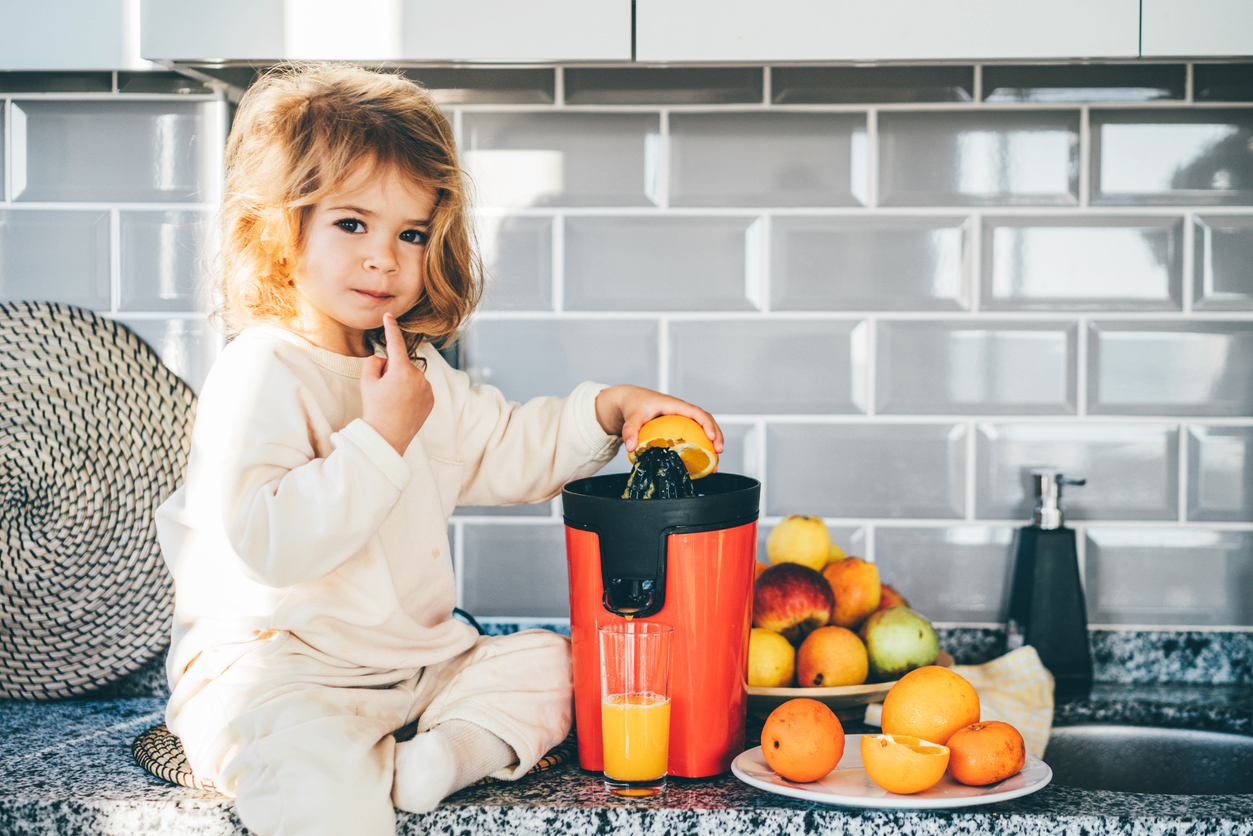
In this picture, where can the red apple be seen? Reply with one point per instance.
(791, 599)
(889, 597)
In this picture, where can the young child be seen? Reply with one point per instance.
(308, 546)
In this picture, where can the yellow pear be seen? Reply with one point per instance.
(800, 539)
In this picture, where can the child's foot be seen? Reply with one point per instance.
(449, 757)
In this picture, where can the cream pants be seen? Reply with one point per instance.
(304, 744)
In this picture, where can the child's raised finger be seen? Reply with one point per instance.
(396, 347)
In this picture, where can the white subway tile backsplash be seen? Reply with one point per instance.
(976, 366)
(562, 159)
(517, 256)
(663, 85)
(1170, 368)
(528, 358)
(877, 263)
(660, 263)
(161, 262)
(1219, 462)
(770, 366)
(1223, 270)
(187, 344)
(1165, 577)
(1186, 157)
(1082, 263)
(994, 158)
(955, 573)
(126, 151)
(768, 159)
(515, 570)
(867, 470)
(55, 256)
(1132, 470)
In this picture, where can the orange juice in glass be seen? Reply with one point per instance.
(635, 706)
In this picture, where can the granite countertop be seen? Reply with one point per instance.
(70, 771)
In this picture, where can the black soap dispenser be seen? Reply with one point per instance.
(1046, 606)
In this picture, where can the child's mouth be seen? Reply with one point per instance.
(378, 297)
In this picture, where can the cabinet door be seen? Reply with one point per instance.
(387, 30)
(66, 35)
(1182, 28)
(885, 30)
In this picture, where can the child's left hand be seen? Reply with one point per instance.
(622, 410)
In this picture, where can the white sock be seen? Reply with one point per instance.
(449, 757)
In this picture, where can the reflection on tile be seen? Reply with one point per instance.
(1091, 263)
(659, 263)
(518, 257)
(562, 159)
(880, 263)
(486, 85)
(187, 345)
(767, 159)
(161, 260)
(979, 159)
(1132, 469)
(128, 150)
(869, 85)
(1222, 82)
(976, 366)
(527, 358)
(155, 81)
(663, 85)
(1169, 368)
(515, 570)
(1198, 157)
(1223, 275)
(1084, 82)
(55, 256)
(55, 82)
(867, 470)
(1220, 473)
(852, 539)
(770, 366)
(1169, 576)
(959, 573)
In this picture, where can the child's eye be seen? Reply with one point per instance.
(414, 236)
(350, 225)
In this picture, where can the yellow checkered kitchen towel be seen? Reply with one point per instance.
(1016, 689)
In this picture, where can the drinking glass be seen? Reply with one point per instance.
(635, 706)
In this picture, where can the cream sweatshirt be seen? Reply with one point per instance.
(297, 516)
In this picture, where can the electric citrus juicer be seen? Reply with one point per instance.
(684, 562)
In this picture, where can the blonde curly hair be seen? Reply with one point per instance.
(300, 132)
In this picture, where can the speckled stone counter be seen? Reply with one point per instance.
(66, 768)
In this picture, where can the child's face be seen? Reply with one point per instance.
(363, 255)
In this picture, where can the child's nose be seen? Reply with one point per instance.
(382, 256)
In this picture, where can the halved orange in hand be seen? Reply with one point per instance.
(685, 437)
(903, 764)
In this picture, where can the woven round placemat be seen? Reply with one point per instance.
(93, 436)
(161, 753)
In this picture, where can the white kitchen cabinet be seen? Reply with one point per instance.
(387, 30)
(65, 35)
(885, 30)
(1197, 28)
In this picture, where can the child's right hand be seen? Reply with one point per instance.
(396, 397)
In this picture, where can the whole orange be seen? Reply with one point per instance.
(855, 585)
(931, 703)
(830, 657)
(802, 740)
(903, 764)
(984, 753)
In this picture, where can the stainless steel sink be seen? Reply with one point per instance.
(1151, 760)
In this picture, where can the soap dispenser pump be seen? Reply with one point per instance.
(1046, 606)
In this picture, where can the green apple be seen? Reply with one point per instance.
(898, 640)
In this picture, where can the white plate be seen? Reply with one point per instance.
(848, 784)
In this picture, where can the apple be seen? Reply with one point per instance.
(889, 597)
(799, 539)
(855, 585)
(791, 599)
(898, 640)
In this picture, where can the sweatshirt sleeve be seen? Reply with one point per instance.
(524, 452)
(291, 512)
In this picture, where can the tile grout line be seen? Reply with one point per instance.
(1081, 368)
(1085, 157)
(115, 260)
(558, 263)
(1185, 430)
(1188, 272)
(971, 494)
